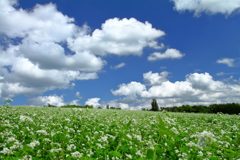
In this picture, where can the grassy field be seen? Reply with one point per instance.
(58, 133)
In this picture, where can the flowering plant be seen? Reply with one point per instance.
(7, 101)
(205, 138)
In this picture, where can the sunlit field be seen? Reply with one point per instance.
(108, 134)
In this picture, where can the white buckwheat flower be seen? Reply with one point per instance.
(44, 132)
(205, 138)
(6, 151)
(138, 153)
(76, 154)
(25, 119)
(129, 136)
(11, 139)
(70, 147)
(33, 144)
(129, 156)
(56, 150)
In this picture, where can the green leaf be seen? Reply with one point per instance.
(129, 123)
(150, 154)
(214, 158)
(158, 150)
(115, 154)
(87, 158)
(163, 129)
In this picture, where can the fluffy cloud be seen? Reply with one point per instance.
(74, 102)
(133, 88)
(203, 82)
(118, 66)
(78, 95)
(50, 55)
(45, 100)
(41, 34)
(168, 54)
(121, 103)
(155, 78)
(198, 88)
(33, 56)
(227, 61)
(226, 7)
(169, 89)
(43, 23)
(93, 102)
(120, 37)
(28, 79)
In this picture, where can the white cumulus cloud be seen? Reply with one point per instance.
(226, 7)
(228, 61)
(155, 78)
(43, 23)
(197, 88)
(93, 102)
(38, 61)
(133, 88)
(168, 54)
(118, 36)
(35, 55)
(203, 81)
(45, 100)
(50, 55)
(168, 89)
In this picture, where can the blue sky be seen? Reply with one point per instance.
(122, 53)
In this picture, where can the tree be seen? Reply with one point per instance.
(107, 107)
(49, 105)
(154, 105)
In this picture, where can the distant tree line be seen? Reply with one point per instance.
(108, 107)
(229, 108)
(77, 106)
(70, 106)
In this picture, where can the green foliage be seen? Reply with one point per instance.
(229, 108)
(7, 101)
(49, 105)
(76, 106)
(150, 154)
(80, 133)
(154, 105)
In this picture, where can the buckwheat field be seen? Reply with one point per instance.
(41, 133)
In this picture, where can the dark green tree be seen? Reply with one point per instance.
(107, 107)
(154, 105)
(49, 105)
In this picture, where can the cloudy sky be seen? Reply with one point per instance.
(122, 53)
